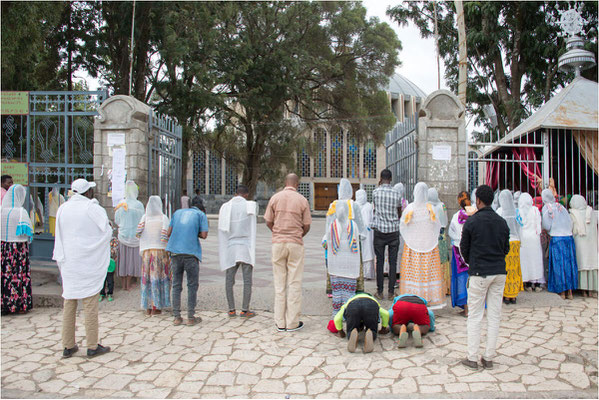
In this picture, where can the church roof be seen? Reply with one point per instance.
(398, 84)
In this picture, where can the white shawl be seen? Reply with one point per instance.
(237, 238)
(419, 226)
(82, 247)
(15, 223)
(153, 227)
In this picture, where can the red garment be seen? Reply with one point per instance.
(405, 312)
(331, 327)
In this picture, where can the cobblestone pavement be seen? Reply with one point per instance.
(545, 351)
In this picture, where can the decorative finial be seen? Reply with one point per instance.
(571, 21)
(576, 58)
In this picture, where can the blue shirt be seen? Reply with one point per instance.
(187, 223)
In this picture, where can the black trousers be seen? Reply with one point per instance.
(109, 281)
(362, 314)
(382, 240)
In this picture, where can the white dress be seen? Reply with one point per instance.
(584, 229)
(531, 251)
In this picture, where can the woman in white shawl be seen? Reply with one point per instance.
(513, 282)
(563, 269)
(344, 256)
(584, 228)
(345, 193)
(367, 244)
(56, 200)
(441, 213)
(420, 272)
(17, 232)
(127, 215)
(531, 251)
(155, 266)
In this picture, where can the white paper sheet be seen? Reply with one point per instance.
(442, 152)
(118, 175)
(116, 139)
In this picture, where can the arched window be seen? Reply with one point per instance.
(369, 159)
(320, 159)
(353, 157)
(199, 171)
(337, 154)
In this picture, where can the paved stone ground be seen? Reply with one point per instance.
(547, 348)
(542, 352)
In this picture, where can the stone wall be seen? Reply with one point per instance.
(441, 123)
(127, 115)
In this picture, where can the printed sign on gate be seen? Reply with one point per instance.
(18, 170)
(14, 103)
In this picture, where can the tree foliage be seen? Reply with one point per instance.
(513, 50)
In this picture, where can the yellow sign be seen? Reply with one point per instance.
(18, 170)
(14, 103)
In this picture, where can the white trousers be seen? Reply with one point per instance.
(481, 290)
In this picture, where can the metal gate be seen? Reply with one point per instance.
(402, 154)
(165, 149)
(56, 141)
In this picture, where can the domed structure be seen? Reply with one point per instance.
(405, 97)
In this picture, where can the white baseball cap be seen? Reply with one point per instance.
(81, 185)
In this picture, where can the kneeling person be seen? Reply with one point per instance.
(361, 312)
(411, 308)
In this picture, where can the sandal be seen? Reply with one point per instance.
(232, 313)
(247, 314)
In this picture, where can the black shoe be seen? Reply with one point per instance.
(281, 329)
(486, 364)
(513, 301)
(299, 326)
(506, 300)
(66, 353)
(98, 351)
(470, 364)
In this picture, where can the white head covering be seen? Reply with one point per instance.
(516, 198)
(419, 226)
(473, 198)
(400, 189)
(16, 224)
(508, 212)
(56, 200)
(345, 191)
(524, 206)
(153, 227)
(344, 254)
(547, 196)
(128, 219)
(581, 214)
(495, 205)
(438, 206)
(361, 197)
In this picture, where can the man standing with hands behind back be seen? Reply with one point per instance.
(485, 243)
(288, 217)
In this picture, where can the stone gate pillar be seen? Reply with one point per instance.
(122, 123)
(442, 146)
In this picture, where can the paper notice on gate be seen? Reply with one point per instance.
(442, 152)
(118, 175)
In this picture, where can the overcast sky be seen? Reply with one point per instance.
(418, 57)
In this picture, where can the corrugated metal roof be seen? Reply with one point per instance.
(398, 84)
(575, 107)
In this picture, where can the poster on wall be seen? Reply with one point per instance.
(18, 170)
(442, 152)
(118, 175)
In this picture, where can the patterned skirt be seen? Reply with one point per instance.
(445, 263)
(513, 282)
(343, 290)
(155, 280)
(16, 278)
(459, 280)
(421, 274)
(563, 268)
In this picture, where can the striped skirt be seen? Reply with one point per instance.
(343, 290)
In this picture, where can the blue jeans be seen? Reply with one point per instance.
(191, 266)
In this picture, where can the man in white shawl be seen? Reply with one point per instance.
(127, 215)
(584, 229)
(420, 272)
(237, 246)
(82, 252)
(344, 256)
(531, 251)
(367, 243)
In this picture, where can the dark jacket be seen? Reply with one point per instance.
(485, 243)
